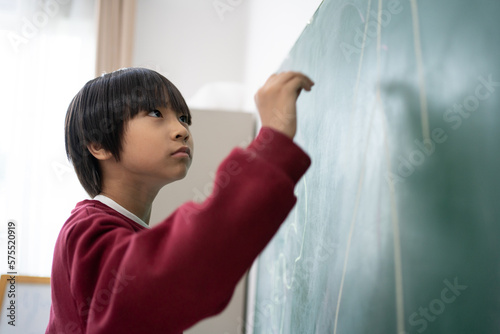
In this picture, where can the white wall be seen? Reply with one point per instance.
(273, 28)
(188, 42)
(218, 52)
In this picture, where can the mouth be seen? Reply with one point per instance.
(182, 152)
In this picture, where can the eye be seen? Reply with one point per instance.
(155, 113)
(184, 118)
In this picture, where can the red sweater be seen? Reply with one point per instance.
(111, 275)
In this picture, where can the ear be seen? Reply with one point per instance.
(98, 151)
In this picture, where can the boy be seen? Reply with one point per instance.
(127, 135)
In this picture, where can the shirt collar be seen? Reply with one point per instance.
(117, 207)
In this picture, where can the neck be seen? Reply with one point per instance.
(137, 201)
(134, 192)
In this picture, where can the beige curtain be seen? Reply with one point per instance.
(115, 34)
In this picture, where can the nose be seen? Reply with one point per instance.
(184, 138)
(181, 132)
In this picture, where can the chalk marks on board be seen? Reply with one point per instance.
(420, 71)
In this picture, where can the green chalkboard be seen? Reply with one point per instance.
(397, 224)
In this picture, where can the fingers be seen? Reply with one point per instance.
(290, 82)
(298, 83)
(276, 100)
(293, 81)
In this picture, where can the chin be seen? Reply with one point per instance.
(182, 176)
(178, 177)
(174, 174)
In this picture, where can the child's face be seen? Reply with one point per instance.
(149, 143)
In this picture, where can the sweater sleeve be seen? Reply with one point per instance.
(186, 268)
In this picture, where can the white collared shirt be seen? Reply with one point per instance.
(120, 209)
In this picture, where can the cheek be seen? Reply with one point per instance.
(192, 147)
(141, 153)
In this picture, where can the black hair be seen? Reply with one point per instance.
(100, 111)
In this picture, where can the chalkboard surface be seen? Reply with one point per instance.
(397, 224)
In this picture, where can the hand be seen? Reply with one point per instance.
(276, 101)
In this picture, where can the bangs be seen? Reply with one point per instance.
(137, 89)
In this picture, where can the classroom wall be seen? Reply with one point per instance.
(187, 42)
(218, 57)
(273, 29)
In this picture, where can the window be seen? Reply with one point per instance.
(47, 53)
